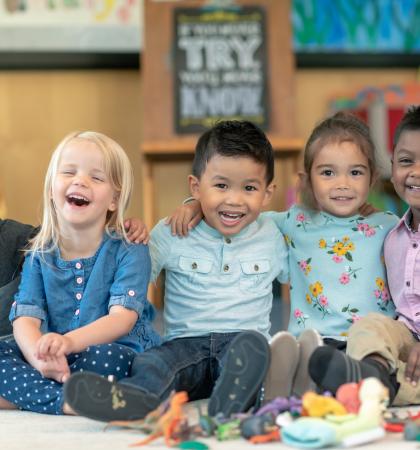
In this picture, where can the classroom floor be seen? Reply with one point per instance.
(32, 431)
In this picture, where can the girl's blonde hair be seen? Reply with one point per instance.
(341, 127)
(118, 170)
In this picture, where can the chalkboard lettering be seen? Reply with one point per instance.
(220, 67)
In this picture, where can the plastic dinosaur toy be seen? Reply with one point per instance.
(168, 420)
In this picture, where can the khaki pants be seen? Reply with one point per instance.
(390, 339)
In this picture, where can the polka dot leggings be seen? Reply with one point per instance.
(25, 387)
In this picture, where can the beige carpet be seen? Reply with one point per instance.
(31, 431)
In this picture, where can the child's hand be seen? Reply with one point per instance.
(55, 368)
(52, 345)
(185, 218)
(367, 209)
(136, 231)
(412, 368)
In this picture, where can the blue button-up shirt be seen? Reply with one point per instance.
(215, 283)
(66, 295)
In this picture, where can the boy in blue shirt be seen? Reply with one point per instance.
(218, 290)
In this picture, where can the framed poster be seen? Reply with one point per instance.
(69, 33)
(220, 71)
(357, 33)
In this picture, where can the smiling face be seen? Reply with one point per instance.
(232, 192)
(340, 178)
(81, 191)
(406, 171)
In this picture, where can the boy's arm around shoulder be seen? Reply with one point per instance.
(160, 245)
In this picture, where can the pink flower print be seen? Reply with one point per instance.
(323, 300)
(337, 258)
(377, 293)
(362, 227)
(303, 264)
(300, 217)
(370, 232)
(344, 279)
(385, 295)
(298, 313)
(300, 317)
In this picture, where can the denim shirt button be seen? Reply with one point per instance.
(131, 293)
(256, 267)
(78, 296)
(78, 265)
(77, 312)
(226, 268)
(194, 265)
(79, 280)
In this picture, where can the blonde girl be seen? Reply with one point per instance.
(82, 301)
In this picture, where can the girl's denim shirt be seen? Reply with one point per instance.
(66, 295)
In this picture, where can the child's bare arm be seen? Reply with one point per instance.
(26, 331)
(136, 231)
(109, 328)
(185, 218)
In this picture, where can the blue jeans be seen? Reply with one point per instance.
(191, 364)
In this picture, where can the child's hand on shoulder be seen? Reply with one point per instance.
(185, 218)
(412, 368)
(136, 231)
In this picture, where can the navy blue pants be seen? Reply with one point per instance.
(191, 364)
(25, 387)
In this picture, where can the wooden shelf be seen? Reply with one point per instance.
(186, 146)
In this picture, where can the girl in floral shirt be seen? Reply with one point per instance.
(337, 272)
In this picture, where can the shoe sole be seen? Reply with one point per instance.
(247, 361)
(92, 396)
(284, 360)
(309, 340)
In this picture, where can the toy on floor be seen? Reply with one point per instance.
(315, 405)
(168, 421)
(282, 404)
(337, 429)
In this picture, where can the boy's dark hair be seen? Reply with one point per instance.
(234, 138)
(409, 122)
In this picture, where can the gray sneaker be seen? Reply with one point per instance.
(284, 360)
(308, 341)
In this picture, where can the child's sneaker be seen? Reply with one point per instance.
(309, 340)
(284, 360)
(90, 395)
(331, 368)
(247, 361)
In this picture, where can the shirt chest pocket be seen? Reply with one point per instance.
(254, 272)
(196, 269)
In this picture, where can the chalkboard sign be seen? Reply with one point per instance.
(220, 67)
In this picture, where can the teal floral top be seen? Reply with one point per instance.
(336, 266)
